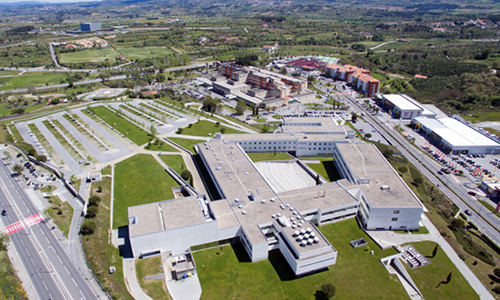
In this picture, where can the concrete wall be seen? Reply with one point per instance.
(385, 218)
(176, 240)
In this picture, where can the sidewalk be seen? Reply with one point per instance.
(387, 239)
(130, 277)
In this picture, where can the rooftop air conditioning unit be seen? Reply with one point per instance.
(385, 187)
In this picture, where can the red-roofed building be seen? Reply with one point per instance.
(307, 64)
(360, 78)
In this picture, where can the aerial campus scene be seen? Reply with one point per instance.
(249, 149)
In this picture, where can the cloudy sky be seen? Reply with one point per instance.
(47, 1)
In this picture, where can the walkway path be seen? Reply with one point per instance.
(131, 280)
(387, 239)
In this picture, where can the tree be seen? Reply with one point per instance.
(497, 272)
(91, 212)
(457, 224)
(222, 130)
(434, 252)
(7, 155)
(4, 241)
(94, 201)
(17, 169)
(42, 158)
(240, 107)
(368, 135)
(186, 175)
(318, 181)
(152, 130)
(88, 227)
(354, 117)
(326, 292)
(179, 130)
(403, 169)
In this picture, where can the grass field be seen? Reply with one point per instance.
(102, 253)
(11, 287)
(61, 213)
(8, 73)
(326, 168)
(203, 128)
(144, 52)
(36, 79)
(186, 143)
(160, 145)
(155, 288)
(139, 180)
(482, 117)
(228, 273)
(489, 207)
(265, 156)
(428, 277)
(88, 55)
(176, 162)
(134, 133)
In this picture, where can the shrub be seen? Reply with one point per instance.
(403, 169)
(217, 124)
(496, 289)
(99, 189)
(186, 175)
(91, 212)
(94, 201)
(88, 227)
(179, 130)
(222, 130)
(42, 158)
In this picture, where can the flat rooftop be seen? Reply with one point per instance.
(285, 176)
(164, 215)
(323, 196)
(402, 102)
(365, 161)
(234, 137)
(315, 125)
(456, 133)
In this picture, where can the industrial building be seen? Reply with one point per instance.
(277, 205)
(89, 27)
(454, 136)
(360, 78)
(259, 87)
(405, 107)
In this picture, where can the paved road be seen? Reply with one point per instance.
(40, 274)
(73, 281)
(447, 184)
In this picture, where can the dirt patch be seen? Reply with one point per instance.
(90, 42)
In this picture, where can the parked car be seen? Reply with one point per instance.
(472, 193)
(467, 212)
(4, 212)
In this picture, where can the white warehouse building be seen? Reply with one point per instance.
(455, 137)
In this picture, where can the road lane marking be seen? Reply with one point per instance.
(74, 281)
(66, 270)
(59, 259)
(45, 285)
(82, 294)
(32, 261)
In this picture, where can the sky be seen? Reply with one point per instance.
(47, 1)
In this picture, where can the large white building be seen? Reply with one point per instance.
(266, 211)
(404, 107)
(455, 137)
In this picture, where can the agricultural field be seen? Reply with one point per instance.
(134, 53)
(36, 79)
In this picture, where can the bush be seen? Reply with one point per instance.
(94, 201)
(42, 158)
(217, 124)
(496, 289)
(91, 212)
(326, 292)
(222, 130)
(403, 169)
(186, 175)
(88, 227)
(99, 189)
(179, 130)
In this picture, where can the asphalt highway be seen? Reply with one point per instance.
(487, 222)
(43, 256)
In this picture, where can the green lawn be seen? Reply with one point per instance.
(489, 207)
(326, 168)
(155, 288)
(427, 278)
(88, 55)
(36, 79)
(145, 52)
(8, 73)
(134, 133)
(10, 283)
(265, 156)
(160, 145)
(139, 180)
(203, 128)
(228, 274)
(482, 117)
(61, 213)
(420, 230)
(176, 162)
(97, 246)
(186, 143)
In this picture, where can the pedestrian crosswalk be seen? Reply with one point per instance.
(13, 228)
(33, 219)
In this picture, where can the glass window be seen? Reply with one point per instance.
(394, 219)
(396, 212)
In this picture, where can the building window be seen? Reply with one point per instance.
(394, 219)
(396, 212)
(309, 148)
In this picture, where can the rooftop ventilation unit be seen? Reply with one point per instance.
(236, 199)
(263, 201)
(309, 229)
(316, 240)
(272, 199)
(244, 212)
(240, 206)
(385, 187)
(273, 216)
